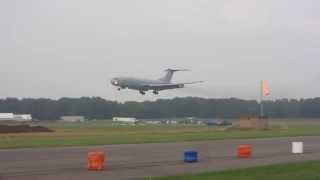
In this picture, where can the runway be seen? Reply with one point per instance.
(134, 161)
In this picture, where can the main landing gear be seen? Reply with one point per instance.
(142, 92)
(154, 92)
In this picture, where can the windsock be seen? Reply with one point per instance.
(265, 88)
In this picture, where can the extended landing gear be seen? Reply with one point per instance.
(154, 92)
(142, 92)
(119, 89)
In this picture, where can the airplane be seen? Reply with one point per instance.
(143, 85)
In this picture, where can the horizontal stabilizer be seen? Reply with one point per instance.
(175, 70)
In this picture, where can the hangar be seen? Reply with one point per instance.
(15, 117)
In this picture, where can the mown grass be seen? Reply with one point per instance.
(297, 171)
(97, 133)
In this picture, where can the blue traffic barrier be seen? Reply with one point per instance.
(190, 156)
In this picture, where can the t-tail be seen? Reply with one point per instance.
(169, 74)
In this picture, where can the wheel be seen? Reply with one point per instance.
(119, 89)
(142, 92)
(155, 92)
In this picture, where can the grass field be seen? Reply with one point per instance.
(298, 171)
(101, 132)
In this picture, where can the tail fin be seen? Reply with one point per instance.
(167, 78)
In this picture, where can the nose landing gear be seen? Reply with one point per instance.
(155, 92)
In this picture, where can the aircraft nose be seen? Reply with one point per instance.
(114, 82)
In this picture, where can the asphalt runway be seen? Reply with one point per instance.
(134, 161)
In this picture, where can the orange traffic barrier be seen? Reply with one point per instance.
(95, 161)
(244, 151)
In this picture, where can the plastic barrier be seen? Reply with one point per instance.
(244, 151)
(95, 161)
(297, 147)
(190, 156)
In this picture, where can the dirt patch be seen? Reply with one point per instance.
(22, 129)
(270, 127)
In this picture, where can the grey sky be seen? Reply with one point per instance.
(72, 48)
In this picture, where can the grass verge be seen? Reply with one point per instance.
(297, 171)
(103, 133)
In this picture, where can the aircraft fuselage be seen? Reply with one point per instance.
(140, 84)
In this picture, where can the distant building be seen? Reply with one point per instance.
(218, 122)
(72, 118)
(125, 119)
(170, 122)
(6, 116)
(15, 117)
(152, 122)
(22, 117)
(254, 123)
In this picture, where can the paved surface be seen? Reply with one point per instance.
(134, 161)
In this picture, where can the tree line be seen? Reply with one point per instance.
(98, 108)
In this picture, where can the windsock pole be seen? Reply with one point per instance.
(265, 91)
(261, 100)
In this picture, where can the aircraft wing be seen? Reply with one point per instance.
(165, 86)
(194, 82)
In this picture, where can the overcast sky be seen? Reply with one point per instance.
(72, 48)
